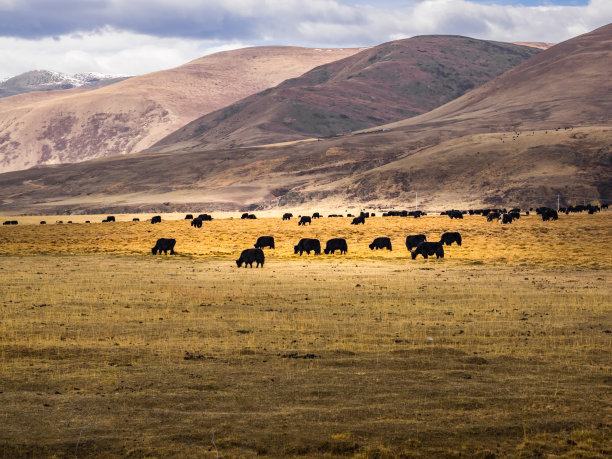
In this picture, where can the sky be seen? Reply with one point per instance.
(132, 37)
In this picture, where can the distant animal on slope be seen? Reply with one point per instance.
(287, 216)
(163, 245)
(358, 220)
(196, 222)
(156, 219)
(250, 256)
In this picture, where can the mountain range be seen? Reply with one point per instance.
(64, 126)
(538, 130)
(382, 84)
(46, 80)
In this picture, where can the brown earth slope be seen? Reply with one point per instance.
(503, 142)
(75, 125)
(379, 85)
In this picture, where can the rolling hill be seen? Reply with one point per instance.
(386, 83)
(62, 126)
(541, 129)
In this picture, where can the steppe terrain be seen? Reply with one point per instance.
(501, 349)
(69, 126)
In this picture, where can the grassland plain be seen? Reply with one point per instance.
(500, 349)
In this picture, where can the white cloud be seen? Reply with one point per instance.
(138, 36)
(110, 51)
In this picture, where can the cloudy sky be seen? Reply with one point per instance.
(139, 36)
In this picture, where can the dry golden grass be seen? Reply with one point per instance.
(502, 348)
(581, 241)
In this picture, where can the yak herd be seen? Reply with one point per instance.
(416, 244)
(256, 255)
(417, 241)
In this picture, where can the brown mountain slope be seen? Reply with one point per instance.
(76, 125)
(569, 84)
(534, 44)
(473, 151)
(385, 83)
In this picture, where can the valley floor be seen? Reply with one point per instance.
(501, 348)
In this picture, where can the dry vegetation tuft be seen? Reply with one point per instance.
(500, 349)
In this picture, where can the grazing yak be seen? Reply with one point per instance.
(205, 217)
(452, 213)
(135, 219)
(304, 220)
(287, 216)
(196, 222)
(428, 249)
(336, 244)
(505, 218)
(308, 245)
(188, 217)
(247, 216)
(156, 219)
(316, 215)
(163, 245)
(110, 218)
(450, 237)
(414, 240)
(395, 213)
(11, 222)
(42, 222)
(549, 214)
(381, 243)
(250, 256)
(493, 215)
(264, 241)
(358, 220)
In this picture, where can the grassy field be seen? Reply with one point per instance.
(500, 349)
